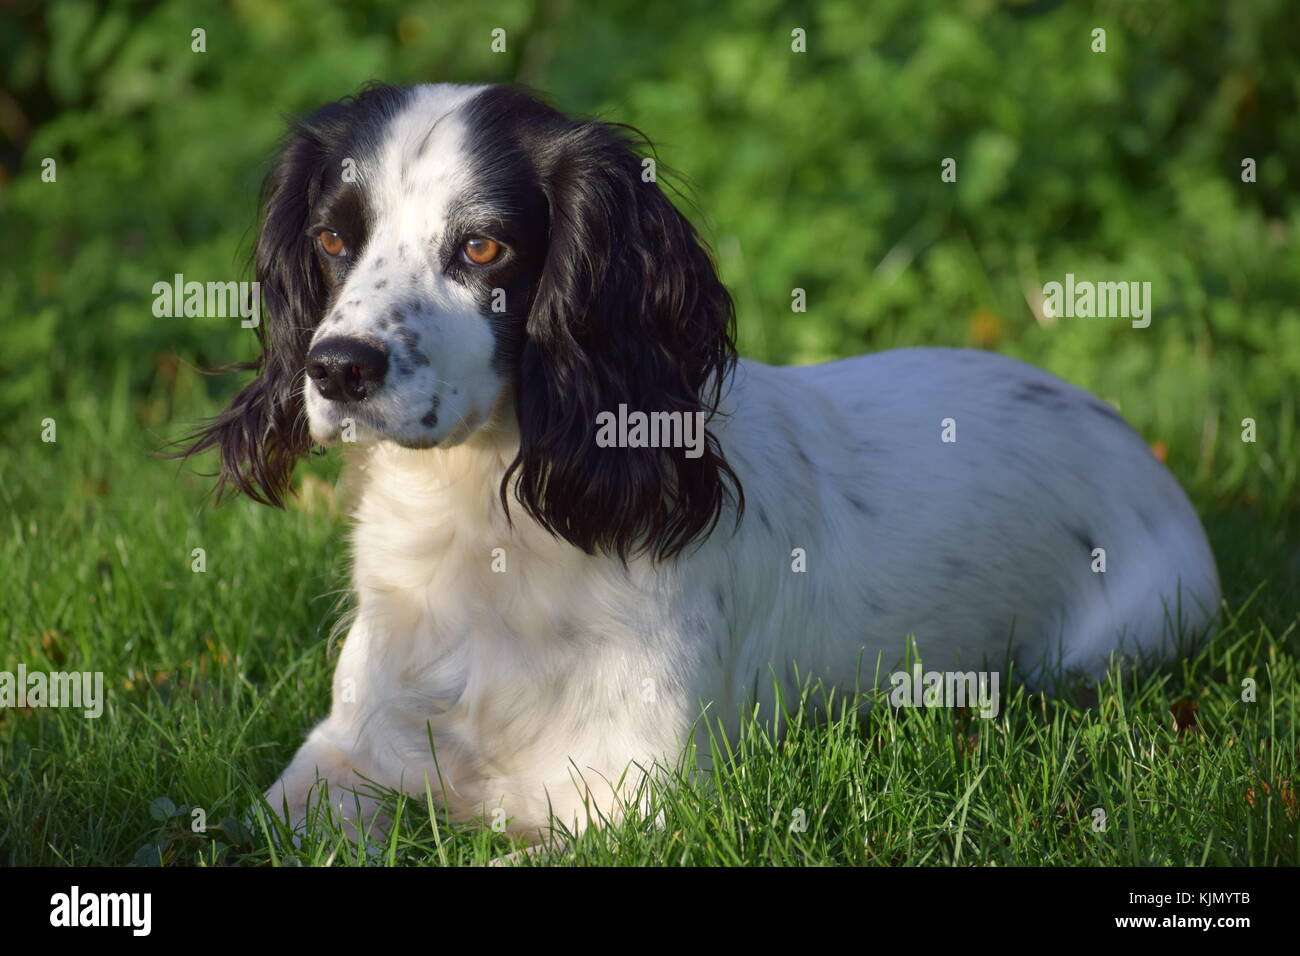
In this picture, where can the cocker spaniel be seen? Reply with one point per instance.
(579, 519)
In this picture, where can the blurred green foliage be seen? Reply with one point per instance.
(817, 170)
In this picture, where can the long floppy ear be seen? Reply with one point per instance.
(628, 311)
(263, 433)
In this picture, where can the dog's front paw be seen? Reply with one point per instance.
(322, 788)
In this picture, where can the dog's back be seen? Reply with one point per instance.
(965, 498)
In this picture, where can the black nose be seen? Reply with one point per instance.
(346, 370)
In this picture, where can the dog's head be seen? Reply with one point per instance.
(438, 261)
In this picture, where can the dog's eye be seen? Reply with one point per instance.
(331, 243)
(481, 251)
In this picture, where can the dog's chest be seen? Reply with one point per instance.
(499, 643)
(461, 620)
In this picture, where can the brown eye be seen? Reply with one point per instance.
(481, 251)
(331, 243)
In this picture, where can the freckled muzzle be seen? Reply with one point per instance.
(346, 369)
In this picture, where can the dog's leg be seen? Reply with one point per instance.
(321, 776)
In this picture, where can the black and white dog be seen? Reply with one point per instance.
(476, 286)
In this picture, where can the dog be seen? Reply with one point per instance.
(579, 519)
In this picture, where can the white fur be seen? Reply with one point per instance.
(533, 685)
(552, 682)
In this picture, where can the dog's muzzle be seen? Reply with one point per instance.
(346, 369)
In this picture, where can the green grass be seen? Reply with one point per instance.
(214, 679)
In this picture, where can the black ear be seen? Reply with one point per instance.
(628, 310)
(263, 433)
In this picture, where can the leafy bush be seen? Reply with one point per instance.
(816, 170)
